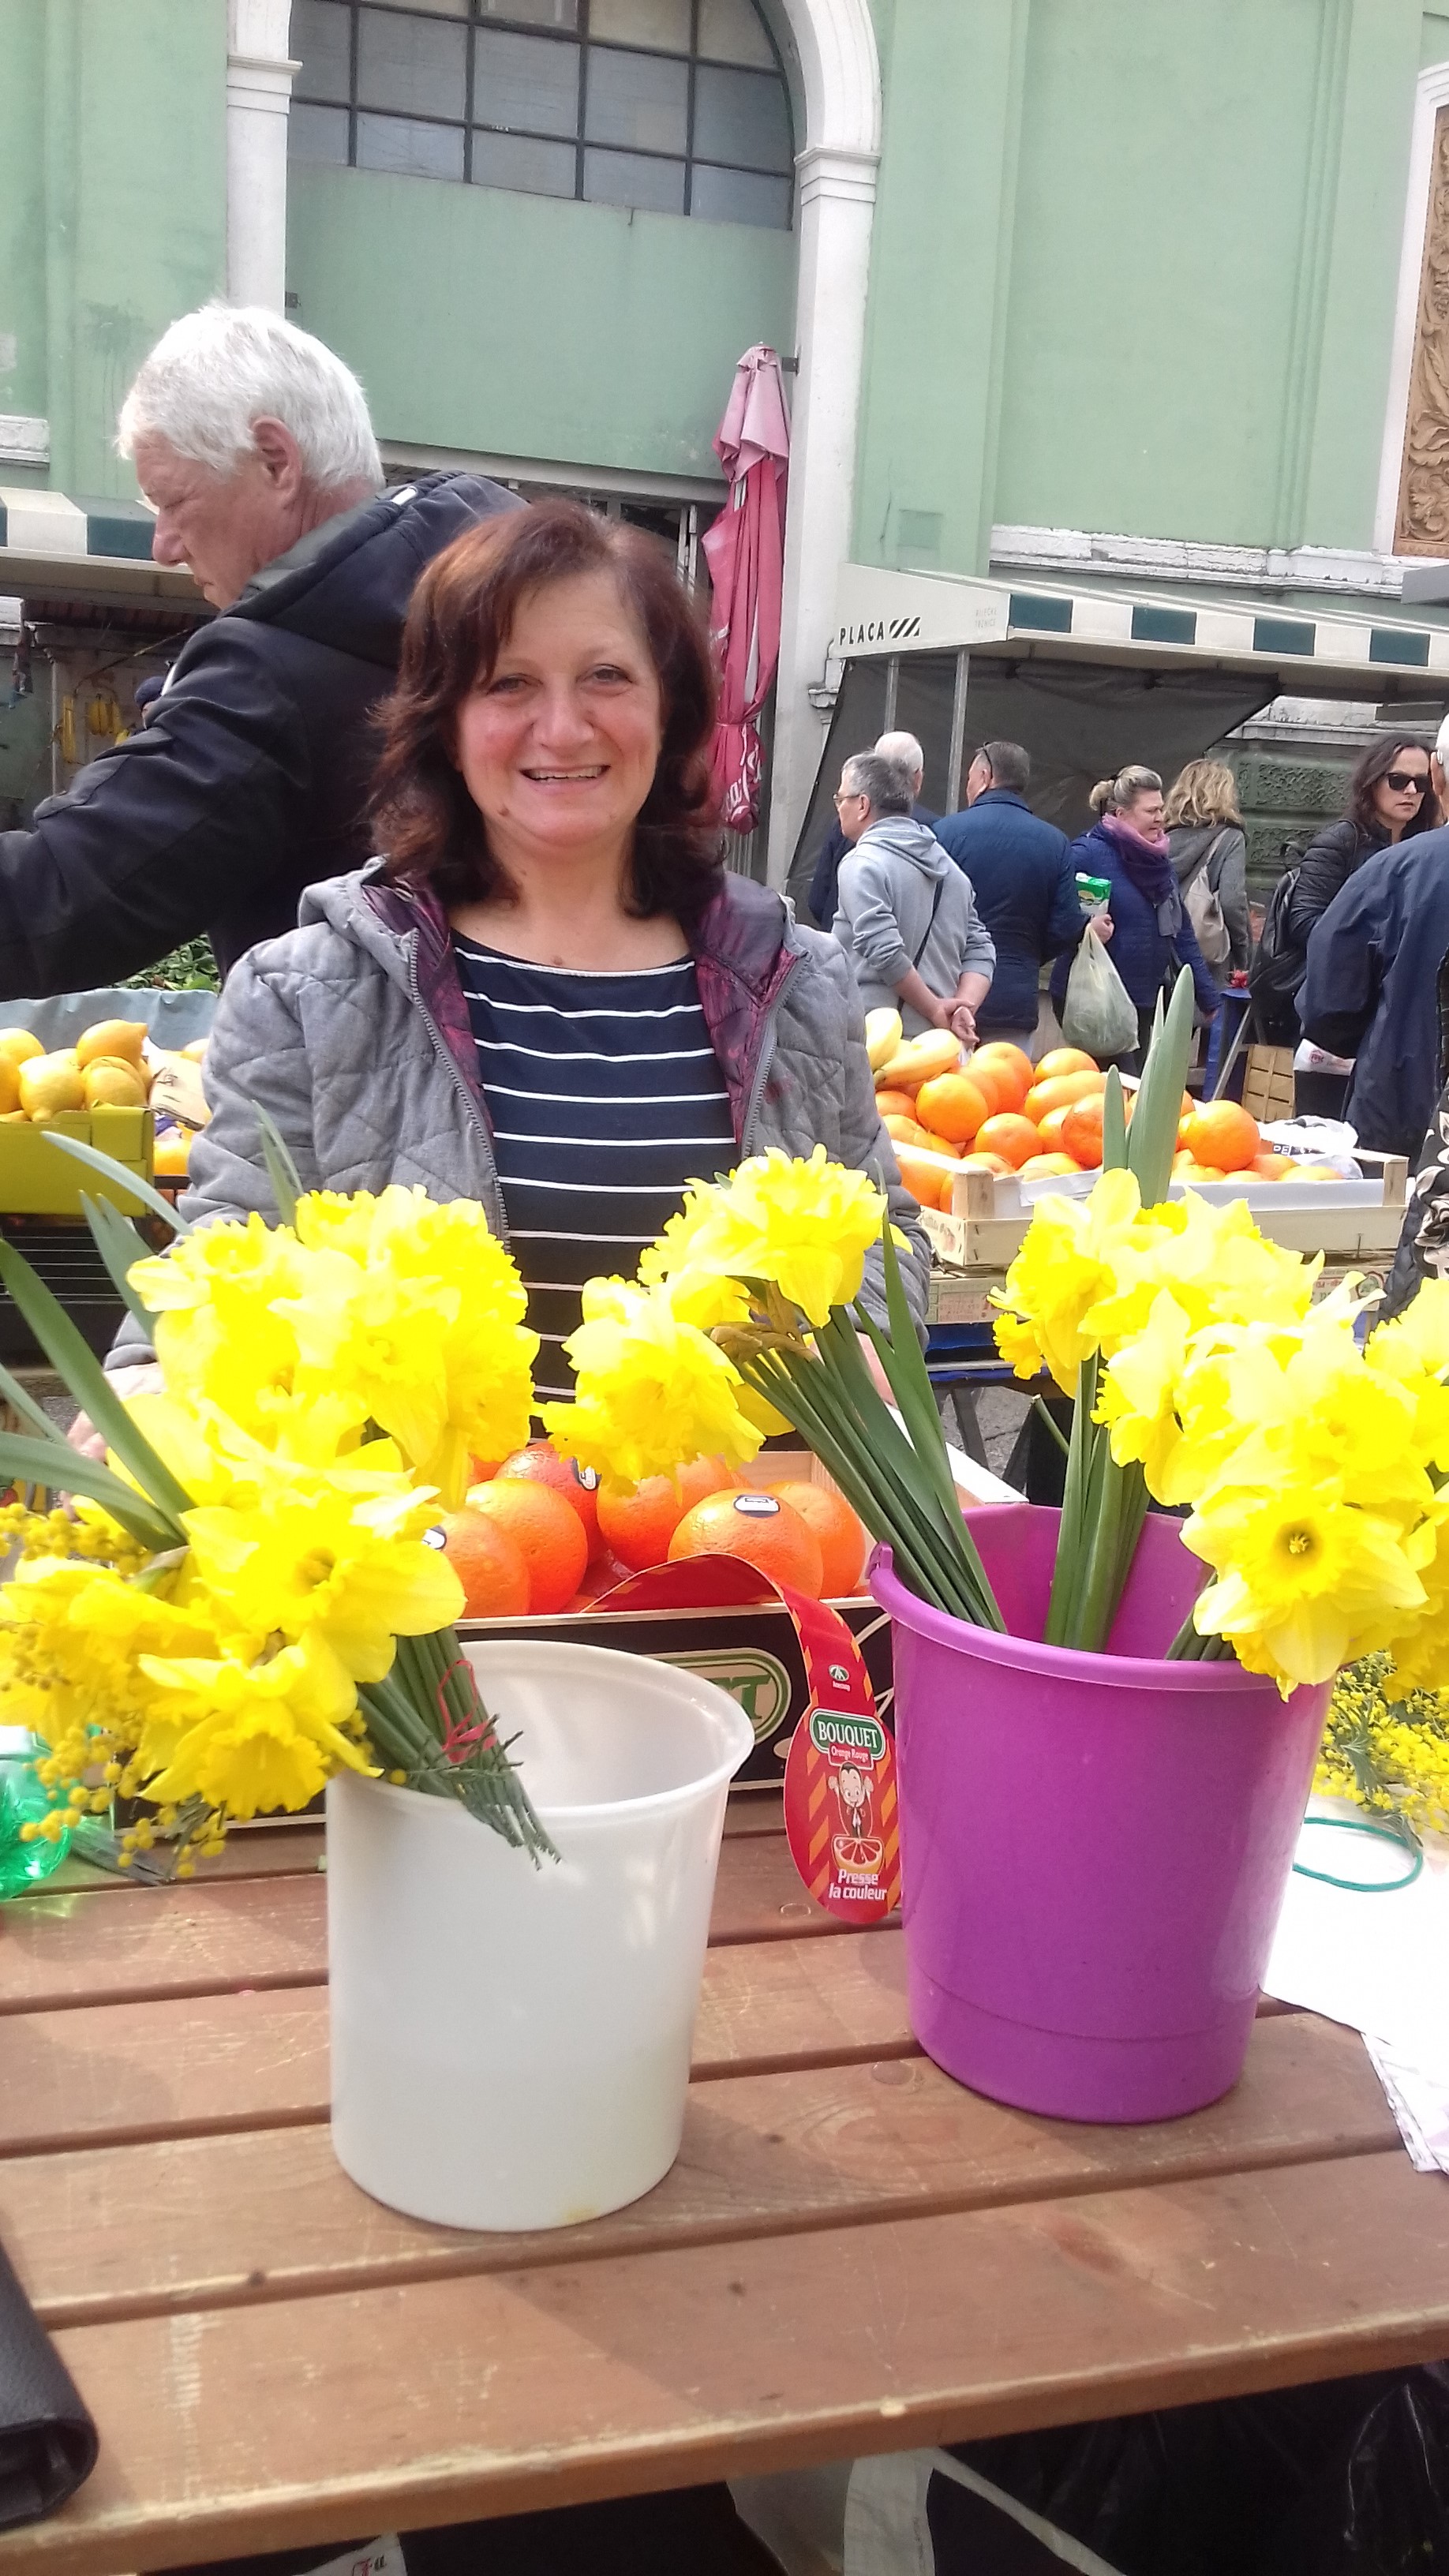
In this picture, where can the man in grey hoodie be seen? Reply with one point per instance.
(907, 918)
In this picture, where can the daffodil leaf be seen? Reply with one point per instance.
(37, 1462)
(119, 1173)
(282, 1172)
(68, 1351)
(1114, 1124)
(120, 1247)
(1152, 1136)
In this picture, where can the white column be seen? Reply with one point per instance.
(258, 95)
(837, 206)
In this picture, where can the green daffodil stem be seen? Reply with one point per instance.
(1071, 1528)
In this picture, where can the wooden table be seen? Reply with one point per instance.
(851, 2255)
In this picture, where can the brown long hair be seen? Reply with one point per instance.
(1368, 769)
(463, 609)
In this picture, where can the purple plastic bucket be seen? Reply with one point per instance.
(1094, 1848)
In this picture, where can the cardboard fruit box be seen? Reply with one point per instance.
(1347, 1220)
(37, 1181)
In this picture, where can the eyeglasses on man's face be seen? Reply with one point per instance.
(1399, 779)
(850, 796)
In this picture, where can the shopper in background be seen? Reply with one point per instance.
(248, 778)
(1152, 935)
(1024, 883)
(1376, 961)
(1209, 858)
(1390, 798)
(906, 918)
(823, 883)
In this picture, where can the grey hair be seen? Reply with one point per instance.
(885, 784)
(217, 371)
(1009, 764)
(903, 747)
(1115, 795)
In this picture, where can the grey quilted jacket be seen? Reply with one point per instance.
(353, 1032)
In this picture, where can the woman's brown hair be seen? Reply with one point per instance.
(462, 612)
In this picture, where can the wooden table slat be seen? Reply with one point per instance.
(270, 2214)
(329, 2418)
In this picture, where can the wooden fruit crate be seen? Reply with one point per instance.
(1347, 1221)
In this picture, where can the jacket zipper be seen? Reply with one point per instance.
(767, 1052)
(497, 1213)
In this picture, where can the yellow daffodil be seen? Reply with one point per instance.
(1138, 1393)
(252, 1738)
(652, 1392)
(313, 1557)
(802, 1226)
(1077, 1254)
(1304, 1579)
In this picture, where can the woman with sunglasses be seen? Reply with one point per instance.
(1390, 796)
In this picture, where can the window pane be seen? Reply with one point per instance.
(321, 37)
(317, 133)
(406, 63)
(400, 143)
(740, 197)
(741, 116)
(533, 13)
(642, 22)
(526, 81)
(639, 100)
(732, 31)
(627, 179)
(516, 161)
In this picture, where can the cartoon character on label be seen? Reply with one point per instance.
(853, 1791)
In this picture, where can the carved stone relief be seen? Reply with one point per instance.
(1422, 527)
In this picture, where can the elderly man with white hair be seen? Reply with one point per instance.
(906, 752)
(249, 781)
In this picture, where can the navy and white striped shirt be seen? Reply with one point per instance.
(606, 1098)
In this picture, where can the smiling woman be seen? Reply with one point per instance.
(546, 993)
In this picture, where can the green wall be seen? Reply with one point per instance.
(1134, 270)
(112, 207)
(532, 326)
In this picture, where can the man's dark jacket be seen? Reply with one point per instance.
(1371, 990)
(250, 780)
(1025, 889)
(824, 897)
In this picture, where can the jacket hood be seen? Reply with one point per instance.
(905, 838)
(1186, 842)
(348, 583)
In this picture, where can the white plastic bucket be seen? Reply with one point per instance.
(510, 2044)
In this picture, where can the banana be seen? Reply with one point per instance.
(882, 1036)
(934, 1051)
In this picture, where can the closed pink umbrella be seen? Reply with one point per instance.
(745, 550)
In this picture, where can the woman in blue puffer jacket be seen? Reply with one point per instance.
(1152, 937)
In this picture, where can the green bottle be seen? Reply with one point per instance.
(23, 1801)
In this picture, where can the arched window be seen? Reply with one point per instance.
(679, 106)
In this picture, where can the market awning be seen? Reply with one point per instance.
(55, 548)
(1091, 675)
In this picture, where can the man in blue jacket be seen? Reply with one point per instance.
(1023, 881)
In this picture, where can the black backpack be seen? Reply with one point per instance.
(1279, 965)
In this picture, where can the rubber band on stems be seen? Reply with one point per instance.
(1359, 1886)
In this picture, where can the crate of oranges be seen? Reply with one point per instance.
(980, 1136)
(539, 1548)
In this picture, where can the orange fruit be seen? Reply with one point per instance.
(1271, 1167)
(171, 1154)
(547, 1532)
(1059, 1092)
(924, 1180)
(1050, 1127)
(895, 1104)
(951, 1105)
(578, 1485)
(488, 1562)
(1065, 1060)
(1222, 1132)
(1038, 1167)
(997, 1086)
(996, 1163)
(939, 1145)
(760, 1528)
(1013, 1060)
(1082, 1132)
(905, 1131)
(1010, 1136)
(638, 1526)
(842, 1539)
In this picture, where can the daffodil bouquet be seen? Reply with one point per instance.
(249, 1594)
(1314, 1469)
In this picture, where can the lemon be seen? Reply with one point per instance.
(111, 1083)
(16, 1044)
(49, 1083)
(123, 1038)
